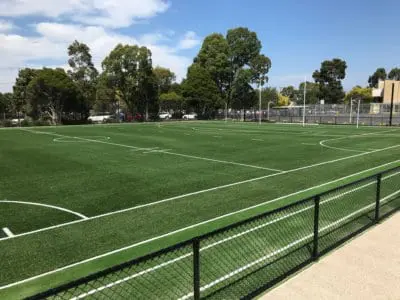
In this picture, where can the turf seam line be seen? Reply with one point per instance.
(93, 291)
(176, 231)
(82, 216)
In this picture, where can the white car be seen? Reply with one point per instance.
(16, 121)
(99, 119)
(165, 115)
(191, 116)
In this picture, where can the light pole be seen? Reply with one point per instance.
(259, 104)
(358, 112)
(351, 111)
(304, 104)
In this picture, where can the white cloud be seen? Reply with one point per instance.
(114, 14)
(6, 26)
(189, 41)
(53, 39)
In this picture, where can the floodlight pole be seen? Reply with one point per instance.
(358, 112)
(304, 104)
(259, 105)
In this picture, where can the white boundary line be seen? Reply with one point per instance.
(175, 231)
(150, 149)
(83, 217)
(8, 232)
(223, 187)
(278, 251)
(109, 285)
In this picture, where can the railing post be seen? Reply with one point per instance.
(316, 227)
(378, 196)
(196, 269)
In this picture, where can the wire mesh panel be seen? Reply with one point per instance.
(390, 192)
(240, 260)
(346, 211)
(165, 276)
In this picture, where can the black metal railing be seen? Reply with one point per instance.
(246, 258)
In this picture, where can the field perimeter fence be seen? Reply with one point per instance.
(244, 259)
(370, 114)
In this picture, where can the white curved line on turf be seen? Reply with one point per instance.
(181, 229)
(322, 143)
(48, 206)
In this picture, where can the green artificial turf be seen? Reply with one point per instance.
(199, 171)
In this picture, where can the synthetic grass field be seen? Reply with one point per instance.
(83, 198)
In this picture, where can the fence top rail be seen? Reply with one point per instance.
(188, 242)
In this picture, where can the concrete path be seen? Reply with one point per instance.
(368, 267)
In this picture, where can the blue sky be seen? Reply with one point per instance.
(296, 35)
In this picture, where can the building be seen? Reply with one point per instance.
(386, 90)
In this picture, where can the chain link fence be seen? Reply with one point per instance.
(244, 259)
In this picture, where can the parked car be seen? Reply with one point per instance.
(191, 116)
(15, 122)
(99, 119)
(164, 115)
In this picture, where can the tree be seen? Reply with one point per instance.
(312, 93)
(329, 79)
(394, 74)
(51, 93)
(380, 74)
(259, 66)
(201, 91)
(129, 70)
(214, 57)
(20, 97)
(290, 92)
(243, 45)
(106, 96)
(171, 101)
(243, 95)
(358, 92)
(6, 104)
(164, 79)
(283, 100)
(83, 72)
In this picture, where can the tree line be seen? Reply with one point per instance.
(229, 71)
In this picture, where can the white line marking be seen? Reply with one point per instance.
(259, 140)
(169, 233)
(157, 151)
(83, 217)
(322, 143)
(149, 149)
(309, 144)
(91, 292)
(223, 187)
(8, 232)
(224, 162)
(278, 251)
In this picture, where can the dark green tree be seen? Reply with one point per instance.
(129, 71)
(243, 94)
(20, 97)
(51, 93)
(329, 79)
(83, 72)
(164, 79)
(380, 74)
(312, 93)
(394, 74)
(290, 92)
(6, 104)
(200, 91)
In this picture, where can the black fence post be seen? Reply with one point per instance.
(378, 196)
(196, 269)
(316, 227)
